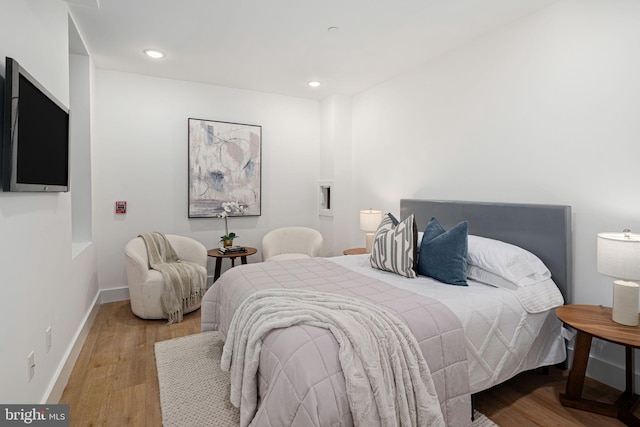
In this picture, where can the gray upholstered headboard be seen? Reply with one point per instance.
(544, 230)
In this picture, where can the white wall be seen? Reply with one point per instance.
(41, 284)
(80, 72)
(543, 111)
(335, 166)
(140, 152)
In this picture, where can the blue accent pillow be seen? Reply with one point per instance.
(443, 254)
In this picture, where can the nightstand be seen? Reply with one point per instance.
(595, 321)
(219, 256)
(354, 251)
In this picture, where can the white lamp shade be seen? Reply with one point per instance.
(619, 255)
(370, 220)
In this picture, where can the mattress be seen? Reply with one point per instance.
(502, 338)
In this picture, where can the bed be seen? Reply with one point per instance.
(479, 336)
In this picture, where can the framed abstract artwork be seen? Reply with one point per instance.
(224, 166)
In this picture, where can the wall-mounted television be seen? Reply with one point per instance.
(35, 140)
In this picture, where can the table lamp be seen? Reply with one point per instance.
(619, 257)
(369, 221)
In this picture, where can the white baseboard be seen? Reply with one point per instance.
(114, 294)
(61, 377)
(122, 293)
(606, 372)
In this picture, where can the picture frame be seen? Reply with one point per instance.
(225, 165)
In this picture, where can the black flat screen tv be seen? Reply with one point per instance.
(35, 140)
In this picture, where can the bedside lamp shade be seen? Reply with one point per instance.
(619, 257)
(369, 221)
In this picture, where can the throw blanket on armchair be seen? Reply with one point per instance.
(184, 282)
(388, 380)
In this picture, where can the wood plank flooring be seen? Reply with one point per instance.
(114, 382)
(531, 399)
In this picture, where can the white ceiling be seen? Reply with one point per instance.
(277, 46)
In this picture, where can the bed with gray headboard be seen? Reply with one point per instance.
(544, 230)
(487, 333)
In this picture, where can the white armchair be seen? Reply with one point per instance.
(145, 285)
(290, 243)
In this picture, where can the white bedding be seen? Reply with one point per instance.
(502, 337)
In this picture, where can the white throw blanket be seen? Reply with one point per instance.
(388, 380)
(185, 283)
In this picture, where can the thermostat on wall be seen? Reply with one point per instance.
(121, 207)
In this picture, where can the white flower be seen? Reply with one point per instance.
(229, 208)
(232, 207)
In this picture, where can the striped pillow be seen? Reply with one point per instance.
(394, 246)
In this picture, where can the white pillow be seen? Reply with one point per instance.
(504, 265)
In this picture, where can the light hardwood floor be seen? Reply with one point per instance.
(114, 382)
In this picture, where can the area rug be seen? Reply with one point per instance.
(194, 391)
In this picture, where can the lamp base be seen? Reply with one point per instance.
(369, 242)
(625, 302)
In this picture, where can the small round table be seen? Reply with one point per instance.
(595, 321)
(355, 251)
(219, 256)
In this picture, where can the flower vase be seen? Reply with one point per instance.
(227, 243)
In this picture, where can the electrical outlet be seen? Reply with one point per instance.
(47, 335)
(31, 365)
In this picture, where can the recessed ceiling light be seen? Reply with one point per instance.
(152, 53)
(333, 29)
(313, 83)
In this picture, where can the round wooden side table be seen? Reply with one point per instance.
(219, 256)
(595, 321)
(354, 251)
